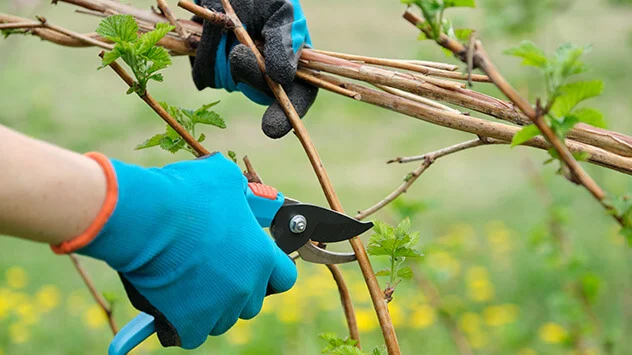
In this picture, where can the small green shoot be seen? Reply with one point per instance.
(398, 243)
(433, 12)
(561, 111)
(170, 140)
(621, 207)
(140, 53)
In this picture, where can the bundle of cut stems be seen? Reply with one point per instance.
(419, 89)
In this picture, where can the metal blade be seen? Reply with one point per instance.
(313, 254)
(322, 225)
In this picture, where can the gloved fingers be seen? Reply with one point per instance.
(281, 60)
(275, 123)
(224, 324)
(244, 68)
(253, 306)
(284, 274)
(203, 64)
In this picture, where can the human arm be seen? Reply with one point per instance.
(182, 237)
(47, 194)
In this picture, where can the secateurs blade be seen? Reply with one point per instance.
(293, 225)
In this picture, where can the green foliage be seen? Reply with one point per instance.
(433, 12)
(232, 155)
(170, 140)
(398, 243)
(140, 53)
(346, 346)
(562, 112)
(7, 33)
(405, 208)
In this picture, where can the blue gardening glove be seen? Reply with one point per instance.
(221, 62)
(188, 247)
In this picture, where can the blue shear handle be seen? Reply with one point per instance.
(265, 202)
(132, 334)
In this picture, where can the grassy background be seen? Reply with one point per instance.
(481, 201)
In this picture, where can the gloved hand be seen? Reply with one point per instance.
(221, 62)
(186, 245)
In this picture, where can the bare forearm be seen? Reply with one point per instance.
(47, 193)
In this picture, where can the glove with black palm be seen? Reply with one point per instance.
(221, 62)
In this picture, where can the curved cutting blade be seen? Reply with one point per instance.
(323, 225)
(313, 254)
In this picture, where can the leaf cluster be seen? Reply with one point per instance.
(140, 53)
(398, 243)
(561, 111)
(339, 346)
(170, 140)
(433, 12)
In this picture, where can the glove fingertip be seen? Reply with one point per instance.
(274, 123)
(284, 274)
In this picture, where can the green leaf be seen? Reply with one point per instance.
(571, 95)
(111, 297)
(110, 57)
(405, 273)
(563, 126)
(119, 28)
(232, 155)
(525, 134)
(581, 156)
(148, 40)
(384, 272)
(206, 107)
(151, 142)
(530, 53)
(590, 116)
(459, 3)
(171, 145)
(209, 118)
(202, 138)
(336, 343)
(567, 59)
(377, 351)
(160, 58)
(463, 34)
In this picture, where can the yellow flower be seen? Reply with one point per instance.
(458, 234)
(47, 297)
(360, 292)
(397, 314)
(367, 320)
(290, 311)
(95, 317)
(527, 351)
(240, 334)
(19, 333)
(16, 277)
(27, 313)
(148, 345)
(478, 339)
(5, 306)
(552, 333)
(423, 317)
(470, 322)
(481, 291)
(500, 315)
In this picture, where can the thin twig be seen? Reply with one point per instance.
(251, 173)
(19, 25)
(79, 36)
(188, 138)
(428, 160)
(166, 11)
(413, 97)
(95, 294)
(474, 125)
(347, 305)
(452, 149)
(377, 295)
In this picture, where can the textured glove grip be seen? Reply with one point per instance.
(111, 197)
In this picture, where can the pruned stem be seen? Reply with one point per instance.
(377, 295)
(428, 160)
(81, 37)
(166, 11)
(95, 294)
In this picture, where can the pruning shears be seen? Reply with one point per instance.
(293, 225)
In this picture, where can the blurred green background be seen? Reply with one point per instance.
(488, 231)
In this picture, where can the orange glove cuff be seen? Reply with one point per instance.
(111, 197)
